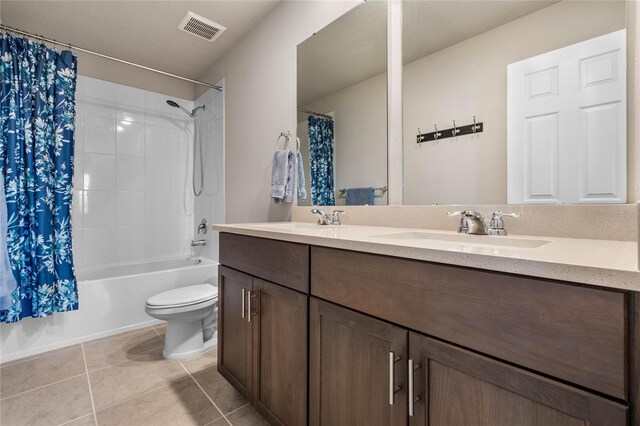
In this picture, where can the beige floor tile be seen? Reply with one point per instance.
(247, 416)
(121, 348)
(201, 362)
(220, 422)
(44, 370)
(50, 405)
(162, 328)
(114, 384)
(181, 403)
(220, 391)
(89, 420)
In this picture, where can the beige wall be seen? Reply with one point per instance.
(470, 78)
(360, 127)
(260, 102)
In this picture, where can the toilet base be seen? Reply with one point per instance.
(185, 340)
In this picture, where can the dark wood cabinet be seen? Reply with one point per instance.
(456, 387)
(280, 355)
(357, 363)
(235, 346)
(262, 345)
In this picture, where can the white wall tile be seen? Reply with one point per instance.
(157, 175)
(99, 92)
(157, 210)
(77, 216)
(156, 104)
(99, 172)
(130, 243)
(99, 134)
(156, 243)
(100, 246)
(78, 168)
(129, 173)
(130, 138)
(78, 134)
(130, 209)
(99, 209)
(158, 142)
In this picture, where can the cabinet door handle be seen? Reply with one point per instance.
(250, 295)
(412, 399)
(392, 377)
(243, 303)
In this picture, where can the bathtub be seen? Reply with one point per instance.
(111, 301)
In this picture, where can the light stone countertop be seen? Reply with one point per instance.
(610, 264)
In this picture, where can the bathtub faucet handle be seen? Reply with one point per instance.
(202, 228)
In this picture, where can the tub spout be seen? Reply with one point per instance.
(198, 243)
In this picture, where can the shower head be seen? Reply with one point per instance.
(191, 114)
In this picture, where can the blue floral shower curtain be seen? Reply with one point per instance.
(321, 161)
(37, 114)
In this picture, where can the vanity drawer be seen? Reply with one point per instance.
(567, 331)
(280, 262)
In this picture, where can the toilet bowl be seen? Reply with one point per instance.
(191, 315)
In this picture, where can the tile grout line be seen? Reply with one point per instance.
(205, 393)
(43, 386)
(86, 369)
(73, 420)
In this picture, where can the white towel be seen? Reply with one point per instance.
(302, 192)
(7, 281)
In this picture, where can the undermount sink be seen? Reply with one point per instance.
(488, 241)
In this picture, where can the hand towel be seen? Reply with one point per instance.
(302, 191)
(360, 196)
(291, 172)
(279, 174)
(8, 282)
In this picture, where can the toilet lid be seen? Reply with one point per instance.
(184, 296)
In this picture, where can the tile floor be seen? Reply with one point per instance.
(120, 380)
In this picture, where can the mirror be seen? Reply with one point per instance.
(546, 83)
(342, 109)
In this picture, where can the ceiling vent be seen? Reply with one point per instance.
(201, 27)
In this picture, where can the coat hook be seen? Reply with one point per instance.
(475, 126)
(437, 134)
(455, 130)
(419, 135)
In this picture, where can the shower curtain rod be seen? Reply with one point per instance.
(111, 58)
(315, 113)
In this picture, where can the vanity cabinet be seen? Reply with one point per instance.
(263, 329)
(357, 373)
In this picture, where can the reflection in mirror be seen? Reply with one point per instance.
(342, 109)
(547, 82)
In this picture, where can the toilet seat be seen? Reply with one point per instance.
(183, 297)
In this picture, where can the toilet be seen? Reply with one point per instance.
(191, 315)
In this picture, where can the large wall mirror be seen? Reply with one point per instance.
(545, 82)
(342, 109)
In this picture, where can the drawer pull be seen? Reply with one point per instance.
(243, 303)
(412, 399)
(250, 295)
(392, 377)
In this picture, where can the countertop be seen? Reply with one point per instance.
(610, 264)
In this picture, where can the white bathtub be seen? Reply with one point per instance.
(111, 301)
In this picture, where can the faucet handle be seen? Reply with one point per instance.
(335, 217)
(453, 214)
(464, 224)
(496, 227)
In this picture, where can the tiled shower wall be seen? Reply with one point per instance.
(132, 183)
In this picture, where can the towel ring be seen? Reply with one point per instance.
(287, 136)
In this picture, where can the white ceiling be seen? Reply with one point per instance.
(353, 48)
(144, 32)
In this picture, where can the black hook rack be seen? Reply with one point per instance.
(454, 131)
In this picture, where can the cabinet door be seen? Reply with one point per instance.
(234, 329)
(280, 354)
(455, 387)
(357, 369)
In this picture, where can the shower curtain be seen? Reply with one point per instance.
(321, 161)
(37, 117)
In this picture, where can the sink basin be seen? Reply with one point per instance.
(487, 241)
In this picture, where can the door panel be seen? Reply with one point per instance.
(455, 387)
(280, 356)
(234, 329)
(350, 373)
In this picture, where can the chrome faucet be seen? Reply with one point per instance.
(328, 219)
(198, 243)
(202, 228)
(472, 222)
